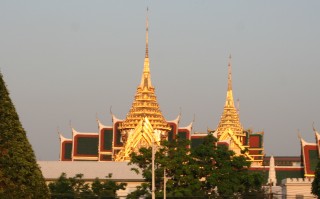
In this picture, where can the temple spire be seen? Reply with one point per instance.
(145, 101)
(229, 99)
(229, 74)
(146, 78)
(230, 117)
(147, 34)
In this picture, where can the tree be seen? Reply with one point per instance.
(142, 190)
(62, 188)
(20, 176)
(76, 187)
(173, 157)
(67, 188)
(221, 169)
(107, 188)
(315, 186)
(205, 171)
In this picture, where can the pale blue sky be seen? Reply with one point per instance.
(70, 60)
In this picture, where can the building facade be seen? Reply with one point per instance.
(145, 124)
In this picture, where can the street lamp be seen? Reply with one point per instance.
(153, 177)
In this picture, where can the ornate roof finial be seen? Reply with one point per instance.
(229, 74)
(146, 79)
(145, 101)
(230, 116)
(147, 33)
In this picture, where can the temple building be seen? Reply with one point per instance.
(310, 154)
(143, 126)
(231, 133)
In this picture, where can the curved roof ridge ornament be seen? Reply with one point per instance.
(61, 137)
(313, 128)
(114, 118)
(58, 131)
(110, 109)
(177, 119)
(194, 118)
(303, 142)
(179, 116)
(190, 126)
(299, 134)
(70, 125)
(74, 131)
(97, 119)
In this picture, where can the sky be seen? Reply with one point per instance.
(66, 63)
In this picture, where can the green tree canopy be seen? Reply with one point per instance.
(205, 171)
(20, 176)
(76, 187)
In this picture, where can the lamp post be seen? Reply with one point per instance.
(153, 177)
(164, 184)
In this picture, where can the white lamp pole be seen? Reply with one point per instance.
(153, 177)
(164, 184)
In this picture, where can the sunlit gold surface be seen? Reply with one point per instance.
(229, 127)
(144, 106)
(142, 136)
(145, 101)
(229, 118)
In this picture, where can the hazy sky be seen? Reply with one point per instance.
(72, 60)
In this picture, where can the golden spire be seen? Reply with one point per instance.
(146, 78)
(145, 102)
(229, 100)
(147, 34)
(229, 118)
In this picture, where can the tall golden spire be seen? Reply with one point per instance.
(145, 102)
(229, 75)
(229, 118)
(146, 77)
(229, 99)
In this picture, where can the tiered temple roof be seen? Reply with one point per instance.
(145, 122)
(229, 118)
(145, 101)
(230, 131)
(143, 136)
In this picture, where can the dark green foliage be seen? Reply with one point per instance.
(315, 187)
(142, 190)
(205, 171)
(76, 187)
(107, 189)
(20, 176)
(62, 188)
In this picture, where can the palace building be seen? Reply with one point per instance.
(145, 125)
(231, 133)
(310, 153)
